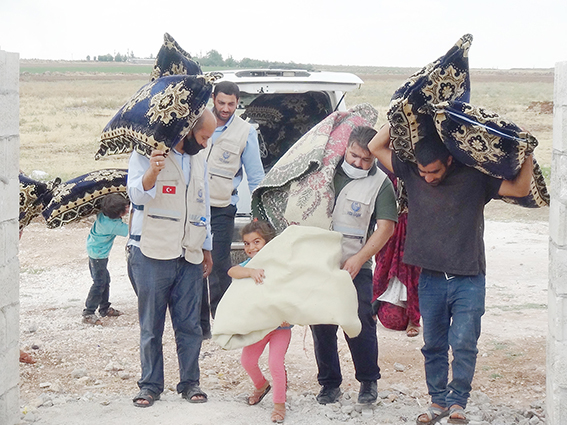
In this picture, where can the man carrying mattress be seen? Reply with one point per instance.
(365, 213)
(445, 238)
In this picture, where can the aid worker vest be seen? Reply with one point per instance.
(353, 211)
(176, 218)
(223, 160)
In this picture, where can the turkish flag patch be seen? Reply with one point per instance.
(169, 189)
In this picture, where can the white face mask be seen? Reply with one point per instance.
(353, 172)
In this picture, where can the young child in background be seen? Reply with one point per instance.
(107, 226)
(255, 235)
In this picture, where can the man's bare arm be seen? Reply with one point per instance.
(520, 186)
(379, 146)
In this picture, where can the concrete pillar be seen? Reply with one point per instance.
(9, 264)
(557, 309)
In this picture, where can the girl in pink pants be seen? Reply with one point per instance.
(255, 235)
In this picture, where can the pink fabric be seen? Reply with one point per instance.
(279, 342)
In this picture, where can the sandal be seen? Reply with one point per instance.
(412, 331)
(434, 414)
(194, 391)
(92, 319)
(146, 395)
(459, 411)
(26, 358)
(259, 394)
(112, 312)
(278, 414)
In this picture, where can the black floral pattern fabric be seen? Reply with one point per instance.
(158, 116)
(35, 195)
(283, 119)
(173, 60)
(435, 101)
(80, 197)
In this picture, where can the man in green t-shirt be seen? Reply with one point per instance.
(365, 212)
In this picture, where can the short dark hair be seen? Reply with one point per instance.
(431, 149)
(361, 135)
(227, 87)
(263, 228)
(114, 205)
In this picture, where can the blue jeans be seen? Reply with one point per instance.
(222, 228)
(160, 284)
(363, 348)
(451, 308)
(100, 289)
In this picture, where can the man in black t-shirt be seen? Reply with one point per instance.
(445, 238)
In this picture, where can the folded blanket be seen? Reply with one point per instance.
(80, 197)
(158, 116)
(35, 195)
(490, 143)
(435, 99)
(299, 187)
(173, 60)
(304, 285)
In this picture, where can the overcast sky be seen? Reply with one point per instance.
(507, 34)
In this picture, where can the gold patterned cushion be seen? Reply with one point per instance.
(173, 60)
(35, 195)
(490, 143)
(158, 116)
(445, 79)
(80, 197)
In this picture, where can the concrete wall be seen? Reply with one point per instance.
(9, 264)
(557, 309)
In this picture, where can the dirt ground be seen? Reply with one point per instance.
(100, 365)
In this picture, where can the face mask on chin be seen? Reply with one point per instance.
(353, 172)
(190, 145)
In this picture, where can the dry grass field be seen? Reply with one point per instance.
(63, 113)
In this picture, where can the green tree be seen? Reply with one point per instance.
(106, 58)
(212, 58)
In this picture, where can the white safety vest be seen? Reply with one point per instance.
(175, 220)
(353, 211)
(223, 160)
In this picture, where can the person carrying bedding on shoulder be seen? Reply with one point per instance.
(255, 236)
(107, 226)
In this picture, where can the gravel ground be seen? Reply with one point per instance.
(87, 375)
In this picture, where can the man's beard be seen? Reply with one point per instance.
(190, 145)
(219, 116)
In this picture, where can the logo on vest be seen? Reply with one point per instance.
(200, 196)
(225, 156)
(170, 190)
(355, 209)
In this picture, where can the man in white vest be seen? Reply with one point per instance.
(233, 146)
(365, 212)
(169, 253)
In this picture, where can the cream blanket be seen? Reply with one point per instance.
(303, 286)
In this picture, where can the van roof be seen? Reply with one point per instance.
(290, 80)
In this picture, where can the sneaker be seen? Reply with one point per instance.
(328, 395)
(368, 392)
(112, 312)
(91, 319)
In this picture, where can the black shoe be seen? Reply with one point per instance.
(329, 395)
(368, 392)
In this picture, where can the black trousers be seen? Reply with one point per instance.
(363, 348)
(222, 228)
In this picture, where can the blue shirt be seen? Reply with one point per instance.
(102, 234)
(137, 167)
(250, 159)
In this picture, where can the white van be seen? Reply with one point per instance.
(283, 104)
